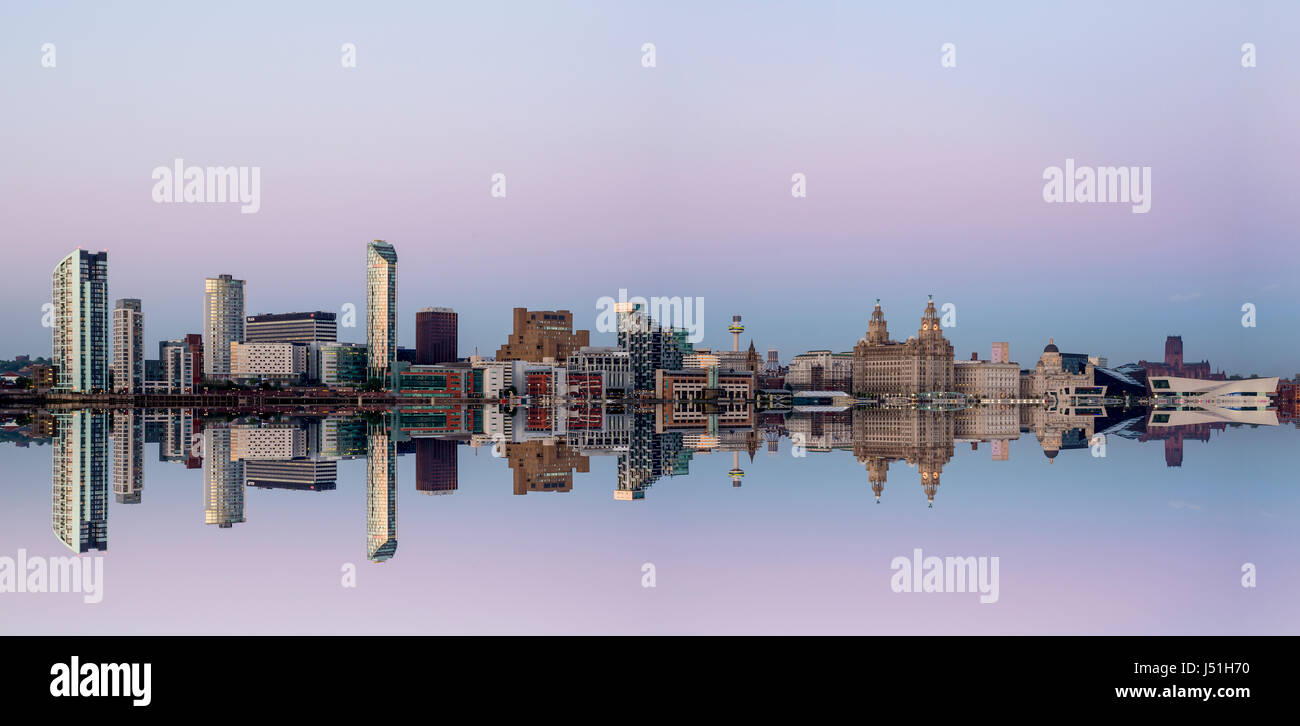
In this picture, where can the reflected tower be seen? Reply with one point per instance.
(381, 493)
(223, 480)
(80, 491)
(128, 456)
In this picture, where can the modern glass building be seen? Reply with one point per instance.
(81, 335)
(381, 308)
(223, 322)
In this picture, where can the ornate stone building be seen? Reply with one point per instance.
(1053, 373)
(921, 364)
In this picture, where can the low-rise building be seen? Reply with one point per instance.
(268, 361)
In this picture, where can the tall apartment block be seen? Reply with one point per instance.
(542, 334)
(81, 335)
(381, 308)
(128, 346)
(310, 327)
(223, 322)
(436, 336)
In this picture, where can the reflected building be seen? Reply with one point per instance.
(381, 492)
(80, 481)
(544, 465)
(650, 456)
(128, 456)
(923, 439)
(435, 466)
(223, 480)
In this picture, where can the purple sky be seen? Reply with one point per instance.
(673, 180)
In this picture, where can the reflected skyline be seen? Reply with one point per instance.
(301, 453)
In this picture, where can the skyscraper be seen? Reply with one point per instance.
(128, 346)
(436, 336)
(81, 335)
(223, 322)
(381, 308)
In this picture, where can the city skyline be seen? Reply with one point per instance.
(224, 314)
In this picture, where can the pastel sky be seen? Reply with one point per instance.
(673, 180)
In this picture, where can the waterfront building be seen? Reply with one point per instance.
(1056, 371)
(81, 323)
(650, 346)
(337, 364)
(128, 346)
(309, 327)
(285, 362)
(542, 334)
(921, 364)
(223, 323)
(436, 336)
(987, 379)
(820, 370)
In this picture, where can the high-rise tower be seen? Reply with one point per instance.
(381, 308)
(81, 335)
(223, 322)
(128, 346)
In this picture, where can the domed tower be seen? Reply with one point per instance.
(877, 330)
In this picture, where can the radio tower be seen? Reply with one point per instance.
(736, 329)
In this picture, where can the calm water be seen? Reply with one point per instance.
(544, 522)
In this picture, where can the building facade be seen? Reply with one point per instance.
(80, 326)
(223, 323)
